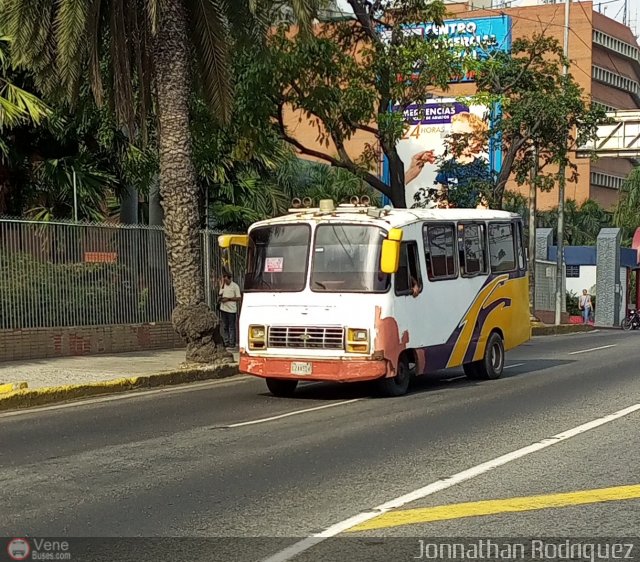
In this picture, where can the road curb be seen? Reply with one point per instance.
(27, 398)
(5, 388)
(544, 330)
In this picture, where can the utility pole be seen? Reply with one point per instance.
(533, 205)
(625, 12)
(560, 288)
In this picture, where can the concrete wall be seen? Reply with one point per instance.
(41, 343)
(587, 280)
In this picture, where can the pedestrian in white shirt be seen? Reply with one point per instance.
(229, 298)
(585, 305)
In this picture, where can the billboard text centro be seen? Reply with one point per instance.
(479, 37)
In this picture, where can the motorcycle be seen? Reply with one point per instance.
(632, 321)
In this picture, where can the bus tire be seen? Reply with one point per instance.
(398, 385)
(491, 366)
(282, 387)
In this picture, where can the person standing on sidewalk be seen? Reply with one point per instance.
(584, 304)
(229, 298)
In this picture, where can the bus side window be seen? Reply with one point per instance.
(473, 249)
(439, 247)
(502, 247)
(408, 276)
(520, 245)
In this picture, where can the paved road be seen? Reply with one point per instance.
(225, 459)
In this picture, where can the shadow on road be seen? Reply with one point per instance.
(449, 379)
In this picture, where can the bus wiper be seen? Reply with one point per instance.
(321, 285)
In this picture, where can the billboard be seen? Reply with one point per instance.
(432, 174)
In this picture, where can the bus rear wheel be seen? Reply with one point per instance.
(282, 387)
(491, 366)
(398, 385)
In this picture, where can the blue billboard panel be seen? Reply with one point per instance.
(424, 148)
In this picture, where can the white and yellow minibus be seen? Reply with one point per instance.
(358, 293)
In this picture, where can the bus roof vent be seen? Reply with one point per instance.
(326, 206)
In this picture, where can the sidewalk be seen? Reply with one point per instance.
(64, 378)
(63, 371)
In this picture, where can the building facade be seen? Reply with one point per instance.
(605, 61)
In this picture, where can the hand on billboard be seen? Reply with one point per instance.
(417, 163)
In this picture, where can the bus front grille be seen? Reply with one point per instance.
(326, 337)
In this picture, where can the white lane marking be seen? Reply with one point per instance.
(514, 365)
(129, 394)
(294, 413)
(592, 349)
(307, 543)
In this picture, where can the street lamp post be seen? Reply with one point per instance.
(75, 197)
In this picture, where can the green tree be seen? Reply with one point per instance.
(18, 107)
(250, 174)
(86, 145)
(152, 44)
(354, 77)
(627, 212)
(582, 222)
(542, 114)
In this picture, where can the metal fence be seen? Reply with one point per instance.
(75, 274)
(70, 274)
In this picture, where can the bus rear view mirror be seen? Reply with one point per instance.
(390, 256)
(225, 241)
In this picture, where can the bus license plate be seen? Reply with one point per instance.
(301, 368)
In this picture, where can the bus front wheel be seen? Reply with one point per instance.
(282, 387)
(398, 385)
(491, 366)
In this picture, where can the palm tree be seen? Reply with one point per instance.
(17, 106)
(150, 43)
(582, 222)
(627, 212)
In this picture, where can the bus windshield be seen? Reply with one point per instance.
(346, 258)
(277, 258)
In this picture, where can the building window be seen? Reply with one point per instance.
(616, 80)
(439, 247)
(612, 43)
(604, 106)
(606, 180)
(573, 271)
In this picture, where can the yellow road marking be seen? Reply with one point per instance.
(493, 507)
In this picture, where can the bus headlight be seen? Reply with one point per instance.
(357, 340)
(257, 337)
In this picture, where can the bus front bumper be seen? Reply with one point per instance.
(341, 370)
